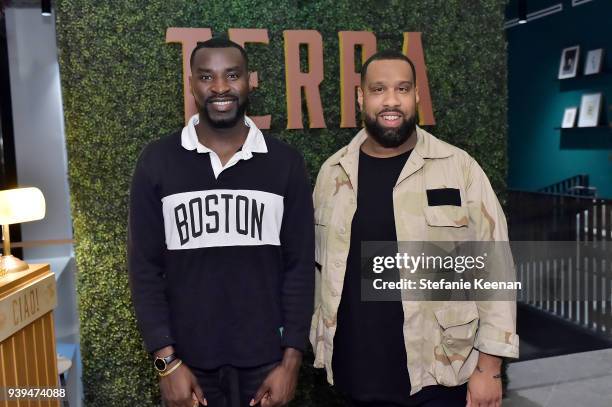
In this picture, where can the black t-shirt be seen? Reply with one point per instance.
(369, 360)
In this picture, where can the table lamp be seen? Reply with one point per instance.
(17, 206)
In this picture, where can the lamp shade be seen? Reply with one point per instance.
(21, 205)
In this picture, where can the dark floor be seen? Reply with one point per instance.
(543, 335)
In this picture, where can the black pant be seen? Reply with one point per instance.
(430, 396)
(230, 386)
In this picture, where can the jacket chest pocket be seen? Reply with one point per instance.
(446, 222)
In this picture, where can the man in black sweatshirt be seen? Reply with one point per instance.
(221, 248)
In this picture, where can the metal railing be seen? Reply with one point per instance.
(578, 185)
(574, 283)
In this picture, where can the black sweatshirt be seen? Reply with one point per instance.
(221, 267)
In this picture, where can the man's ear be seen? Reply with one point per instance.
(253, 81)
(360, 97)
(416, 91)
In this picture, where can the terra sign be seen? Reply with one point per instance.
(297, 81)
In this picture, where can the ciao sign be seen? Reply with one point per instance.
(297, 81)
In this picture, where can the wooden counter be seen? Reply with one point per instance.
(27, 338)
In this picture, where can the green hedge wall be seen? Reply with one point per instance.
(122, 87)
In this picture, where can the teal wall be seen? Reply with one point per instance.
(539, 155)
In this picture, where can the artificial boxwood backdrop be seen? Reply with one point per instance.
(122, 87)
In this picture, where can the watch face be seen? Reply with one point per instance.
(160, 364)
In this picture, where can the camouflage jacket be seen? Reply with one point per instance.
(442, 338)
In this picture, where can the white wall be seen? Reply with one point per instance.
(40, 149)
(40, 146)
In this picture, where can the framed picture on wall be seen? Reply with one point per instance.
(569, 117)
(569, 62)
(592, 64)
(590, 106)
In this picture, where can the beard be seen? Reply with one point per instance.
(390, 137)
(228, 121)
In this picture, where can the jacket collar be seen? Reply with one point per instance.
(427, 147)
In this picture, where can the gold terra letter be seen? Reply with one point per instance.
(188, 38)
(254, 35)
(349, 78)
(295, 79)
(413, 49)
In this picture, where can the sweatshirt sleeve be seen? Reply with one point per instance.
(297, 244)
(146, 247)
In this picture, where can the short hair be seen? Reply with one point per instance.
(219, 42)
(387, 55)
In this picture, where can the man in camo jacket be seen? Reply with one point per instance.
(396, 182)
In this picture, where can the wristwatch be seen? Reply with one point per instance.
(161, 364)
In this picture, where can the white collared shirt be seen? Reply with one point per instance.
(254, 143)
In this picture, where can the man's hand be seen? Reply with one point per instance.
(180, 388)
(485, 390)
(278, 388)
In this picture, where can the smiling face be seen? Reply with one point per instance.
(388, 99)
(220, 85)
